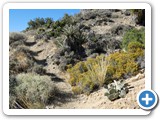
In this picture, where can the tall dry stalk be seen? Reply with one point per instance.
(97, 70)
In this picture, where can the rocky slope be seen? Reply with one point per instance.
(109, 25)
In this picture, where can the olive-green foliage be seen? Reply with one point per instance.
(123, 65)
(140, 15)
(67, 19)
(134, 46)
(59, 25)
(40, 30)
(74, 37)
(86, 76)
(48, 22)
(115, 90)
(32, 91)
(133, 35)
(59, 41)
(37, 22)
(40, 22)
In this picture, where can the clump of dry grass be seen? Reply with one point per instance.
(88, 75)
(98, 69)
(19, 62)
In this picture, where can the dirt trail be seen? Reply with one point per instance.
(47, 49)
(96, 99)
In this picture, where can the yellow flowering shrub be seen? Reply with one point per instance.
(86, 76)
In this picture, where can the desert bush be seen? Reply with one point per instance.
(94, 13)
(71, 49)
(133, 35)
(75, 38)
(97, 43)
(16, 38)
(36, 23)
(67, 19)
(58, 26)
(40, 30)
(12, 92)
(19, 62)
(38, 69)
(120, 29)
(134, 46)
(140, 15)
(60, 40)
(32, 91)
(48, 22)
(123, 65)
(86, 76)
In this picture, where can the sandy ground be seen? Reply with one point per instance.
(95, 100)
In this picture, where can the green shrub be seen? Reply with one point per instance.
(40, 30)
(58, 26)
(67, 19)
(48, 22)
(134, 46)
(33, 91)
(133, 35)
(74, 37)
(37, 22)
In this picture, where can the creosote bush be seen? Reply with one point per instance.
(32, 91)
(133, 35)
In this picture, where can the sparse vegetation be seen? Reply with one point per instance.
(93, 49)
(19, 62)
(140, 16)
(31, 91)
(89, 75)
(96, 72)
(16, 38)
(134, 35)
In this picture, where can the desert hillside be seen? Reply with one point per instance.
(94, 59)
